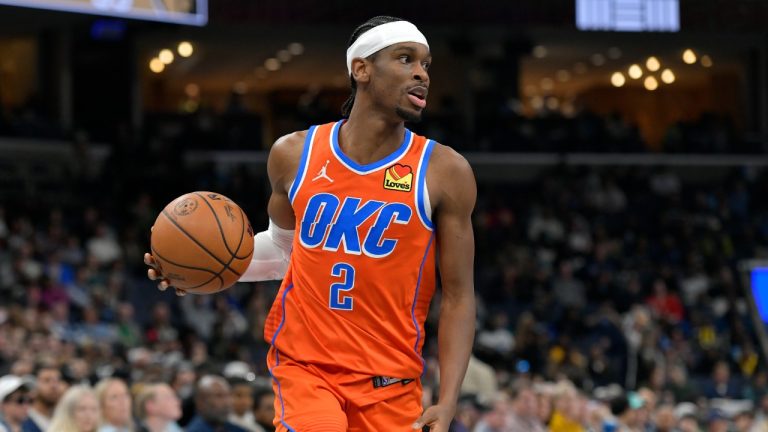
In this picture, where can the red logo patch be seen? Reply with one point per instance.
(398, 171)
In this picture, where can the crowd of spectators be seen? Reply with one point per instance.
(607, 299)
(504, 129)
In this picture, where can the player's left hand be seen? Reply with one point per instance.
(437, 418)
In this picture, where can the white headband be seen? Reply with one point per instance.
(381, 37)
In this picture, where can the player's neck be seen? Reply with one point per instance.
(368, 136)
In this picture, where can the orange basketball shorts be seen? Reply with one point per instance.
(309, 398)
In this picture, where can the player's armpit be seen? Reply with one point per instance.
(282, 166)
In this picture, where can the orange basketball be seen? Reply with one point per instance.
(202, 242)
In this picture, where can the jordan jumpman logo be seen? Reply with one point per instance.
(322, 173)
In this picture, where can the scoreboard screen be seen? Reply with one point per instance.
(628, 15)
(193, 12)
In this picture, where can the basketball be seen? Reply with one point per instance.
(202, 242)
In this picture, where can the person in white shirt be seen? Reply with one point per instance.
(158, 408)
(115, 403)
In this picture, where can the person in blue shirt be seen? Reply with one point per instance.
(213, 403)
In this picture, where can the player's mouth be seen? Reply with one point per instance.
(418, 96)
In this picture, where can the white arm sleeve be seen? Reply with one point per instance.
(271, 253)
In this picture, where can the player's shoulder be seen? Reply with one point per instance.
(450, 179)
(447, 161)
(284, 157)
(290, 143)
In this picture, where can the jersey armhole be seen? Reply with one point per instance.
(422, 195)
(303, 164)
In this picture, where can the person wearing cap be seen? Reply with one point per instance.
(14, 400)
(361, 213)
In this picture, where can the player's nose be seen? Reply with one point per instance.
(420, 74)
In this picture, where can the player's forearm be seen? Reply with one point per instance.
(456, 333)
(271, 254)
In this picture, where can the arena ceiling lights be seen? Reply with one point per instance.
(191, 12)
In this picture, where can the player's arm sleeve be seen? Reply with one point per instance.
(271, 254)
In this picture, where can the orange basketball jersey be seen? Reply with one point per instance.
(362, 270)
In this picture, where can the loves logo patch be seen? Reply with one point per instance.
(398, 177)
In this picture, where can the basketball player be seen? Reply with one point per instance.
(374, 208)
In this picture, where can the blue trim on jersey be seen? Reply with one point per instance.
(421, 185)
(397, 154)
(299, 179)
(413, 306)
(277, 359)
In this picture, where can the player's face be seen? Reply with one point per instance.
(400, 79)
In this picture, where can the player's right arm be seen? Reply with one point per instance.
(271, 247)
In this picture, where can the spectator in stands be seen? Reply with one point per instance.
(565, 417)
(665, 305)
(624, 413)
(128, 332)
(158, 408)
(183, 384)
(480, 380)
(744, 422)
(48, 389)
(524, 409)
(264, 408)
(242, 404)
(664, 419)
(115, 405)
(717, 422)
(78, 411)
(496, 419)
(688, 423)
(103, 246)
(721, 385)
(761, 414)
(213, 403)
(14, 402)
(468, 413)
(679, 385)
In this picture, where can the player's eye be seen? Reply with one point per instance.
(426, 65)
(404, 59)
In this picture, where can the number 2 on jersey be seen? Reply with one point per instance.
(338, 300)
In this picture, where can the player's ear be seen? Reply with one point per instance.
(361, 70)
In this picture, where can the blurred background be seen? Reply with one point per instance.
(622, 237)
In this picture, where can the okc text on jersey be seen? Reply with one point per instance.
(331, 224)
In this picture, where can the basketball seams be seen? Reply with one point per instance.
(215, 275)
(232, 254)
(242, 236)
(218, 223)
(212, 255)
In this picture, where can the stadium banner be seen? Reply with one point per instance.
(191, 12)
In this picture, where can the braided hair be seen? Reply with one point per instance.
(376, 21)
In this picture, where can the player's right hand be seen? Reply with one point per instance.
(154, 274)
